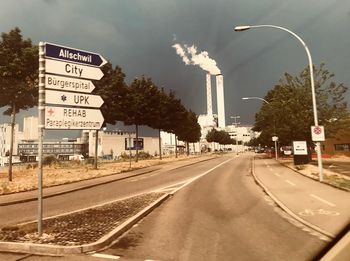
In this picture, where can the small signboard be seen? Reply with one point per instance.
(74, 55)
(56, 82)
(73, 118)
(132, 145)
(73, 69)
(73, 99)
(317, 133)
(300, 148)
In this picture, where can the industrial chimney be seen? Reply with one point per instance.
(209, 101)
(220, 100)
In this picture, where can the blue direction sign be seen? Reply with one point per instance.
(73, 55)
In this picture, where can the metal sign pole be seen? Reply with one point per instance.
(41, 111)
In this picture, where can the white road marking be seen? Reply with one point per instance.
(200, 175)
(323, 200)
(289, 182)
(276, 174)
(105, 256)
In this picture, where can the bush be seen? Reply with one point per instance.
(49, 160)
(144, 155)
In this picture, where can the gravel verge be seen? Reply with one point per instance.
(82, 227)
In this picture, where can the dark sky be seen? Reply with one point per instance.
(137, 35)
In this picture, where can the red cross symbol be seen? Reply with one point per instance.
(51, 111)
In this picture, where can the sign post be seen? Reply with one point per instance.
(275, 139)
(318, 135)
(80, 67)
(41, 109)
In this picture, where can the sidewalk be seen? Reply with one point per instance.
(20, 197)
(323, 207)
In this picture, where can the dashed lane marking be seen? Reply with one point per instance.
(290, 183)
(276, 174)
(105, 256)
(323, 200)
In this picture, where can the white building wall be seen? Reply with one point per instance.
(5, 138)
(113, 142)
(30, 128)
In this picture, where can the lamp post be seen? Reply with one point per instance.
(274, 138)
(236, 123)
(314, 107)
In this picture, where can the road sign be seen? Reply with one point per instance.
(68, 84)
(274, 138)
(73, 55)
(317, 133)
(72, 118)
(73, 69)
(300, 148)
(73, 99)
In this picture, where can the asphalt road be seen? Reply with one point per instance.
(166, 176)
(223, 215)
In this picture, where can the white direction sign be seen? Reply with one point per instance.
(73, 118)
(73, 69)
(68, 84)
(73, 99)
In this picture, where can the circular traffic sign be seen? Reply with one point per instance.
(317, 130)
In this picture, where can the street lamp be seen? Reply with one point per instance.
(236, 123)
(314, 107)
(274, 138)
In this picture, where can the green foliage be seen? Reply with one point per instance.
(49, 160)
(113, 91)
(18, 72)
(190, 130)
(221, 137)
(144, 155)
(289, 113)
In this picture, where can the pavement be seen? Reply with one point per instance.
(321, 207)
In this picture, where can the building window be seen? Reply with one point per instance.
(342, 147)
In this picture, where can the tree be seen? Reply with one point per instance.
(140, 105)
(161, 118)
(289, 111)
(18, 77)
(113, 91)
(190, 130)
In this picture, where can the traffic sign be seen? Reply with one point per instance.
(73, 55)
(73, 69)
(300, 148)
(68, 84)
(317, 133)
(73, 118)
(73, 99)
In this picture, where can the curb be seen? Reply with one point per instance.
(104, 241)
(285, 208)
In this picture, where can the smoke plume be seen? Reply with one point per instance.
(190, 56)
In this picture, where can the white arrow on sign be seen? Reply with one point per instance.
(68, 84)
(73, 69)
(73, 99)
(73, 118)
